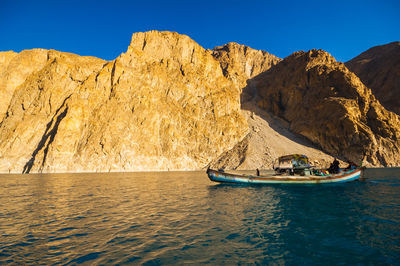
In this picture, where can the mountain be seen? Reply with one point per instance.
(14, 69)
(164, 104)
(269, 136)
(379, 69)
(169, 104)
(329, 105)
(241, 63)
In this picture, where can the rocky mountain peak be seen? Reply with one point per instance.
(379, 69)
(311, 58)
(325, 102)
(240, 63)
(164, 104)
(167, 103)
(165, 46)
(380, 51)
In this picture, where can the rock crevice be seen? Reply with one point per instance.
(48, 137)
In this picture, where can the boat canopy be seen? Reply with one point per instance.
(293, 161)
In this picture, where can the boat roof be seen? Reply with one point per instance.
(293, 156)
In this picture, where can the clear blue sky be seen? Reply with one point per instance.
(104, 28)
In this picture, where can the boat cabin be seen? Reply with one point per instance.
(292, 164)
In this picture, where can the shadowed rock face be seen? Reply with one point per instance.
(325, 102)
(164, 104)
(379, 69)
(240, 62)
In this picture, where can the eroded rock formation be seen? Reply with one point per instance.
(379, 69)
(14, 69)
(164, 104)
(241, 63)
(37, 108)
(269, 138)
(325, 102)
(167, 103)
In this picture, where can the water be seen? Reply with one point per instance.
(181, 217)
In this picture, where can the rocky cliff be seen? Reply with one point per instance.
(167, 103)
(379, 69)
(14, 69)
(241, 63)
(329, 105)
(38, 106)
(269, 136)
(164, 104)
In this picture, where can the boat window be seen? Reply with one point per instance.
(286, 164)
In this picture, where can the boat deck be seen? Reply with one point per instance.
(225, 177)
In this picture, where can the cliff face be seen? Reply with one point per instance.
(241, 63)
(379, 69)
(167, 103)
(37, 108)
(325, 102)
(164, 104)
(14, 69)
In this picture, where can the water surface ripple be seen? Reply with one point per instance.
(181, 217)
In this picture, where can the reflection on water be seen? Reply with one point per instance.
(177, 217)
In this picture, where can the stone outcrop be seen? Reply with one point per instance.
(240, 62)
(269, 137)
(14, 69)
(169, 104)
(329, 105)
(379, 69)
(38, 107)
(164, 104)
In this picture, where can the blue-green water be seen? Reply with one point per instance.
(181, 217)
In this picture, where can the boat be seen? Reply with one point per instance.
(290, 169)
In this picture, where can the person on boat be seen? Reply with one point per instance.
(334, 167)
(351, 166)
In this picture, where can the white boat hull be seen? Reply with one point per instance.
(343, 177)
